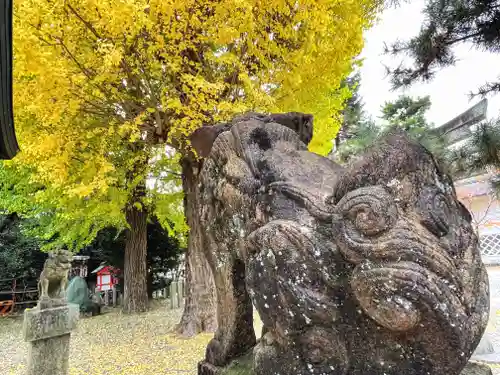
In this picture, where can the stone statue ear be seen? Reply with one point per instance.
(301, 123)
(202, 139)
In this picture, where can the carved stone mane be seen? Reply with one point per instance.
(374, 269)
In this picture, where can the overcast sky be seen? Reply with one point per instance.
(448, 90)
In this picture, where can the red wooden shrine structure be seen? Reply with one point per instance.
(107, 277)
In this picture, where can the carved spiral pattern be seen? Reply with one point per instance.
(400, 272)
(366, 213)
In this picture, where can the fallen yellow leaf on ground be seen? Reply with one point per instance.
(118, 344)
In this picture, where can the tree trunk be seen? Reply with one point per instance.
(200, 303)
(135, 297)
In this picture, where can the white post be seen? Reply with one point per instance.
(174, 302)
(180, 292)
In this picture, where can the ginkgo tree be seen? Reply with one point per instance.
(102, 87)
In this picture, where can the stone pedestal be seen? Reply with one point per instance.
(47, 329)
(180, 293)
(205, 368)
(474, 368)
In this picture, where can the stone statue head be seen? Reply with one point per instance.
(417, 271)
(369, 269)
(59, 258)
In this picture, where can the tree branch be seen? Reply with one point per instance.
(86, 23)
(486, 211)
(84, 70)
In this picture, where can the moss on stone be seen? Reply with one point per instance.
(240, 366)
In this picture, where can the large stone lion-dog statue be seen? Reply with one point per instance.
(370, 269)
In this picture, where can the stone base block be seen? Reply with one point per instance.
(41, 324)
(50, 303)
(205, 368)
(474, 368)
(239, 366)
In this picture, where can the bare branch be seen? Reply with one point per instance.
(485, 90)
(490, 202)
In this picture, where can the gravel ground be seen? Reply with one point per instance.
(495, 369)
(493, 333)
(493, 329)
(116, 344)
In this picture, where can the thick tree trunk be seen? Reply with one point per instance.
(200, 304)
(136, 287)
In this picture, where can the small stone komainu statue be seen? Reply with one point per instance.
(54, 277)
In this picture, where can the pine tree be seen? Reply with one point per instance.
(447, 24)
(480, 153)
(405, 113)
(353, 111)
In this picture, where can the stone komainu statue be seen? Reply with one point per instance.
(373, 269)
(54, 276)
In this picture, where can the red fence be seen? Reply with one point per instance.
(17, 294)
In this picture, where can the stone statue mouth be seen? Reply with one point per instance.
(402, 275)
(398, 295)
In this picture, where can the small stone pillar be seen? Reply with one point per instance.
(47, 329)
(174, 299)
(180, 293)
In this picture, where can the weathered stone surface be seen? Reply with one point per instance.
(47, 327)
(373, 269)
(49, 357)
(474, 368)
(42, 324)
(54, 277)
(244, 366)
(50, 303)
